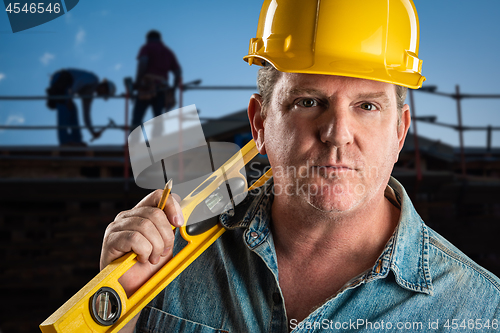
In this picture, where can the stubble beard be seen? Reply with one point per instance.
(322, 188)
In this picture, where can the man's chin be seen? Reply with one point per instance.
(332, 205)
(334, 195)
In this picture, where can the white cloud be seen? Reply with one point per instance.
(80, 36)
(47, 58)
(14, 119)
(117, 67)
(2, 76)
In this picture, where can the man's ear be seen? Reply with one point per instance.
(257, 122)
(403, 126)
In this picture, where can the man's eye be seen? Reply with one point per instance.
(308, 102)
(368, 106)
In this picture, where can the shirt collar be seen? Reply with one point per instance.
(410, 254)
(406, 253)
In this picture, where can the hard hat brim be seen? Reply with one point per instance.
(349, 68)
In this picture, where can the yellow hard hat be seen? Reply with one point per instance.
(369, 39)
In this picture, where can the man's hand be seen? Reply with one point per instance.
(147, 231)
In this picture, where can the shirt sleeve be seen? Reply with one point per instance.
(174, 63)
(143, 52)
(83, 80)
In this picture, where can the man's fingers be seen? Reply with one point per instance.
(173, 212)
(150, 236)
(118, 243)
(137, 243)
(176, 197)
(158, 218)
(145, 229)
(172, 208)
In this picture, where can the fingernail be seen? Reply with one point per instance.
(178, 220)
(165, 251)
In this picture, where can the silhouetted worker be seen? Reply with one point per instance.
(69, 82)
(155, 60)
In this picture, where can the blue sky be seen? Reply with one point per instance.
(459, 44)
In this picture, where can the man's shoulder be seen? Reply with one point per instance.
(450, 266)
(83, 77)
(146, 49)
(80, 72)
(155, 47)
(446, 263)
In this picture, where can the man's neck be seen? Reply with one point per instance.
(319, 253)
(302, 231)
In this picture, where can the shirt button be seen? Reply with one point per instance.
(277, 298)
(253, 234)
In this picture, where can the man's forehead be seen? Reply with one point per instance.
(292, 84)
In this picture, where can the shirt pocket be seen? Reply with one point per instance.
(156, 321)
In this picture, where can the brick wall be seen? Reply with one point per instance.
(49, 248)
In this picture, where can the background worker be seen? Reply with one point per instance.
(155, 61)
(332, 242)
(70, 82)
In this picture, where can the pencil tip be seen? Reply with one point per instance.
(169, 184)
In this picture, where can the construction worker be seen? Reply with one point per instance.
(70, 82)
(332, 242)
(155, 61)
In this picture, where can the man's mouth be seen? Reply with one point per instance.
(335, 167)
(333, 170)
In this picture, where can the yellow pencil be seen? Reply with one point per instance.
(166, 192)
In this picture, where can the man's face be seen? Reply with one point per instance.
(332, 140)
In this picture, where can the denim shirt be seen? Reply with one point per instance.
(420, 283)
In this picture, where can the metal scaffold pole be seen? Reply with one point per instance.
(126, 163)
(458, 97)
(415, 138)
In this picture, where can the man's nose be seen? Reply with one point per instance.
(335, 126)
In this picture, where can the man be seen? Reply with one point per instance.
(155, 61)
(333, 242)
(70, 82)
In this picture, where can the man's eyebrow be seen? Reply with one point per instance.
(381, 96)
(300, 91)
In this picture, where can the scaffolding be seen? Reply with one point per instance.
(195, 85)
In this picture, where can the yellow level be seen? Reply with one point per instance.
(103, 306)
